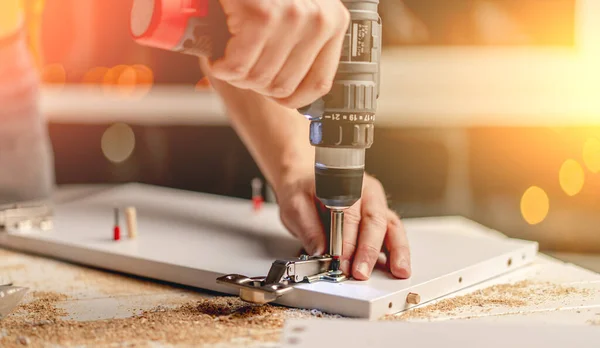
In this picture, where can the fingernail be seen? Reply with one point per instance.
(404, 266)
(363, 269)
(345, 266)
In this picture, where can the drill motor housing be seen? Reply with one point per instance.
(342, 122)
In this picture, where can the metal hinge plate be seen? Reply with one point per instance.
(281, 278)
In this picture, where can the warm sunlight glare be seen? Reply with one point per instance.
(591, 154)
(571, 177)
(535, 205)
(54, 74)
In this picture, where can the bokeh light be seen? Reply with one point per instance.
(125, 81)
(111, 78)
(145, 76)
(591, 155)
(144, 79)
(535, 205)
(118, 142)
(203, 84)
(54, 74)
(95, 76)
(571, 177)
(128, 81)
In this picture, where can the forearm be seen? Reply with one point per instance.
(277, 137)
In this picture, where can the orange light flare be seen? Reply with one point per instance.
(55, 76)
(571, 177)
(535, 205)
(144, 79)
(95, 76)
(128, 81)
(203, 85)
(591, 154)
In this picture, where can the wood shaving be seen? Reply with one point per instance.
(521, 294)
(9, 268)
(209, 321)
(5, 253)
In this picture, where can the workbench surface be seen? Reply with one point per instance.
(69, 305)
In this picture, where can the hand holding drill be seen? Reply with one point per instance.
(281, 55)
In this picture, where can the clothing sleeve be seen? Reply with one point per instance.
(26, 161)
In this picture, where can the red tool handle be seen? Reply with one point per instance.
(196, 27)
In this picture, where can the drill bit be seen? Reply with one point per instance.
(336, 238)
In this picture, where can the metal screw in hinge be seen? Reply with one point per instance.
(303, 257)
(413, 298)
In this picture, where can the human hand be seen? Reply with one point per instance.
(369, 225)
(288, 51)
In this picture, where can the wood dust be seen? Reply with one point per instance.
(9, 268)
(209, 321)
(521, 294)
(5, 253)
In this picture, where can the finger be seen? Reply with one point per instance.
(300, 216)
(320, 30)
(278, 47)
(249, 33)
(398, 246)
(320, 78)
(350, 237)
(373, 227)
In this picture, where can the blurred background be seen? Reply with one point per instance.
(488, 110)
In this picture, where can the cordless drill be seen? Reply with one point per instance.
(342, 122)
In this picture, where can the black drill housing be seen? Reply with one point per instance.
(343, 120)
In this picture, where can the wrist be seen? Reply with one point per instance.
(277, 137)
(296, 163)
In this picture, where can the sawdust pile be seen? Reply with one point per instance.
(521, 294)
(210, 321)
